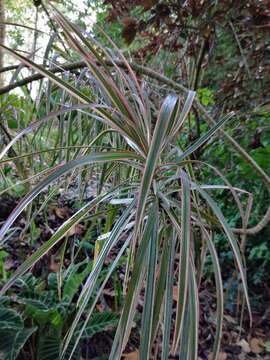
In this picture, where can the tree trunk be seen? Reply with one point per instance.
(2, 38)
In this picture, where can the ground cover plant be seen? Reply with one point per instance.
(143, 226)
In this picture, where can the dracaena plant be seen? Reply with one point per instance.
(161, 200)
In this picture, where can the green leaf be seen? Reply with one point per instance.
(149, 297)
(220, 299)
(9, 318)
(12, 341)
(99, 322)
(204, 138)
(194, 313)
(231, 238)
(49, 346)
(98, 294)
(185, 234)
(91, 281)
(168, 299)
(134, 287)
(164, 117)
(161, 283)
(74, 280)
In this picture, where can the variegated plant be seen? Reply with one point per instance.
(160, 198)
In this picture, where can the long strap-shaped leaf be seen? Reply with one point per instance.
(162, 124)
(77, 94)
(184, 260)
(219, 285)
(79, 334)
(231, 238)
(203, 139)
(107, 83)
(91, 281)
(61, 170)
(183, 115)
(89, 45)
(134, 287)
(220, 300)
(168, 300)
(72, 91)
(149, 297)
(193, 298)
(161, 281)
(184, 349)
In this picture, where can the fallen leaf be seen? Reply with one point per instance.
(147, 4)
(108, 292)
(230, 319)
(242, 356)
(100, 307)
(61, 213)
(267, 346)
(55, 265)
(134, 355)
(256, 345)
(9, 264)
(244, 345)
(220, 356)
(76, 230)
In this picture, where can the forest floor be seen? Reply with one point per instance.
(238, 342)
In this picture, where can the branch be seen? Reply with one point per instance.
(30, 79)
(8, 68)
(257, 228)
